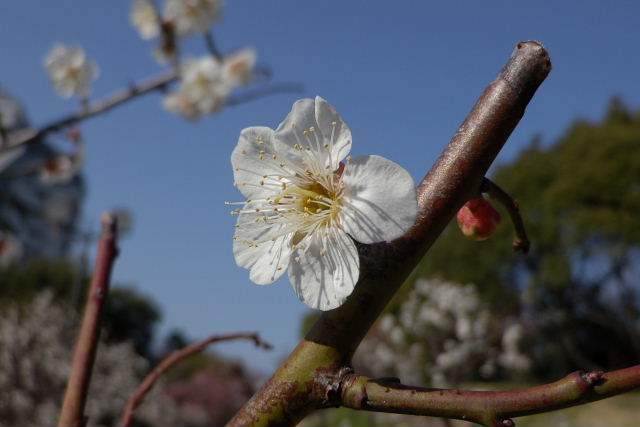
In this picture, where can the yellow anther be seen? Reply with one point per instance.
(333, 123)
(243, 151)
(297, 259)
(326, 145)
(305, 133)
(312, 129)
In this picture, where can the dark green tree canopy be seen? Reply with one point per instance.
(578, 286)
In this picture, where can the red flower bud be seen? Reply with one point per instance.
(477, 219)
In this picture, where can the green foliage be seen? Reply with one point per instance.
(23, 283)
(128, 315)
(580, 200)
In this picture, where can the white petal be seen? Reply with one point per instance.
(251, 160)
(269, 259)
(330, 130)
(379, 200)
(325, 281)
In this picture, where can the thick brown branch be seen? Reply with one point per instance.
(293, 391)
(72, 413)
(489, 408)
(520, 242)
(145, 387)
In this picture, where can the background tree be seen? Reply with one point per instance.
(577, 289)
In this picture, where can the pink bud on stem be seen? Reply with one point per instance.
(477, 219)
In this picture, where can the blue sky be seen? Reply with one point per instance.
(402, 74)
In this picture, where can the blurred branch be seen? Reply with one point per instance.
(211, 45)
(72, 412)
(160, 82)
(91, 109)
(303, 382)
(489, 408)
(520, 242)
(145, 387)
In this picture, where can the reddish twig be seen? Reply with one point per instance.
(520, 242)
(72, 413)
(145, 386)
(489, 408)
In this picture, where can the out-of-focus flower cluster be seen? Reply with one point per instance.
(37, 343)
(206, 82)
(70, 71)
(186, 16)
(442, 335)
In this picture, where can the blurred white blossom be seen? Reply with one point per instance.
(202, 89)
(443, 334)
(145, 19)
(37, 344)
(63, 168)
(70, 71)
(190, 16)
(237, 67)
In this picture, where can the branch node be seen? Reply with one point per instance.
(592, 378)
(505, 422)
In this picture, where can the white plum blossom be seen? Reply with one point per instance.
(305, 208)
(70, 71)
(145, 19)
(237, 67)
(190, 16)
(202, 89)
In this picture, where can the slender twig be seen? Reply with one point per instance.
(520, 241)
(72, 413)
(92, 109)
(30, 135)
(253, 94)
(211, 45)
(307, 378)
(145, 386)
(489, 408)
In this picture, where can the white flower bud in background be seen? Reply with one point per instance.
(145, 19)
(190, 16)
(237, 67)
(70, 71)
(62, 169)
